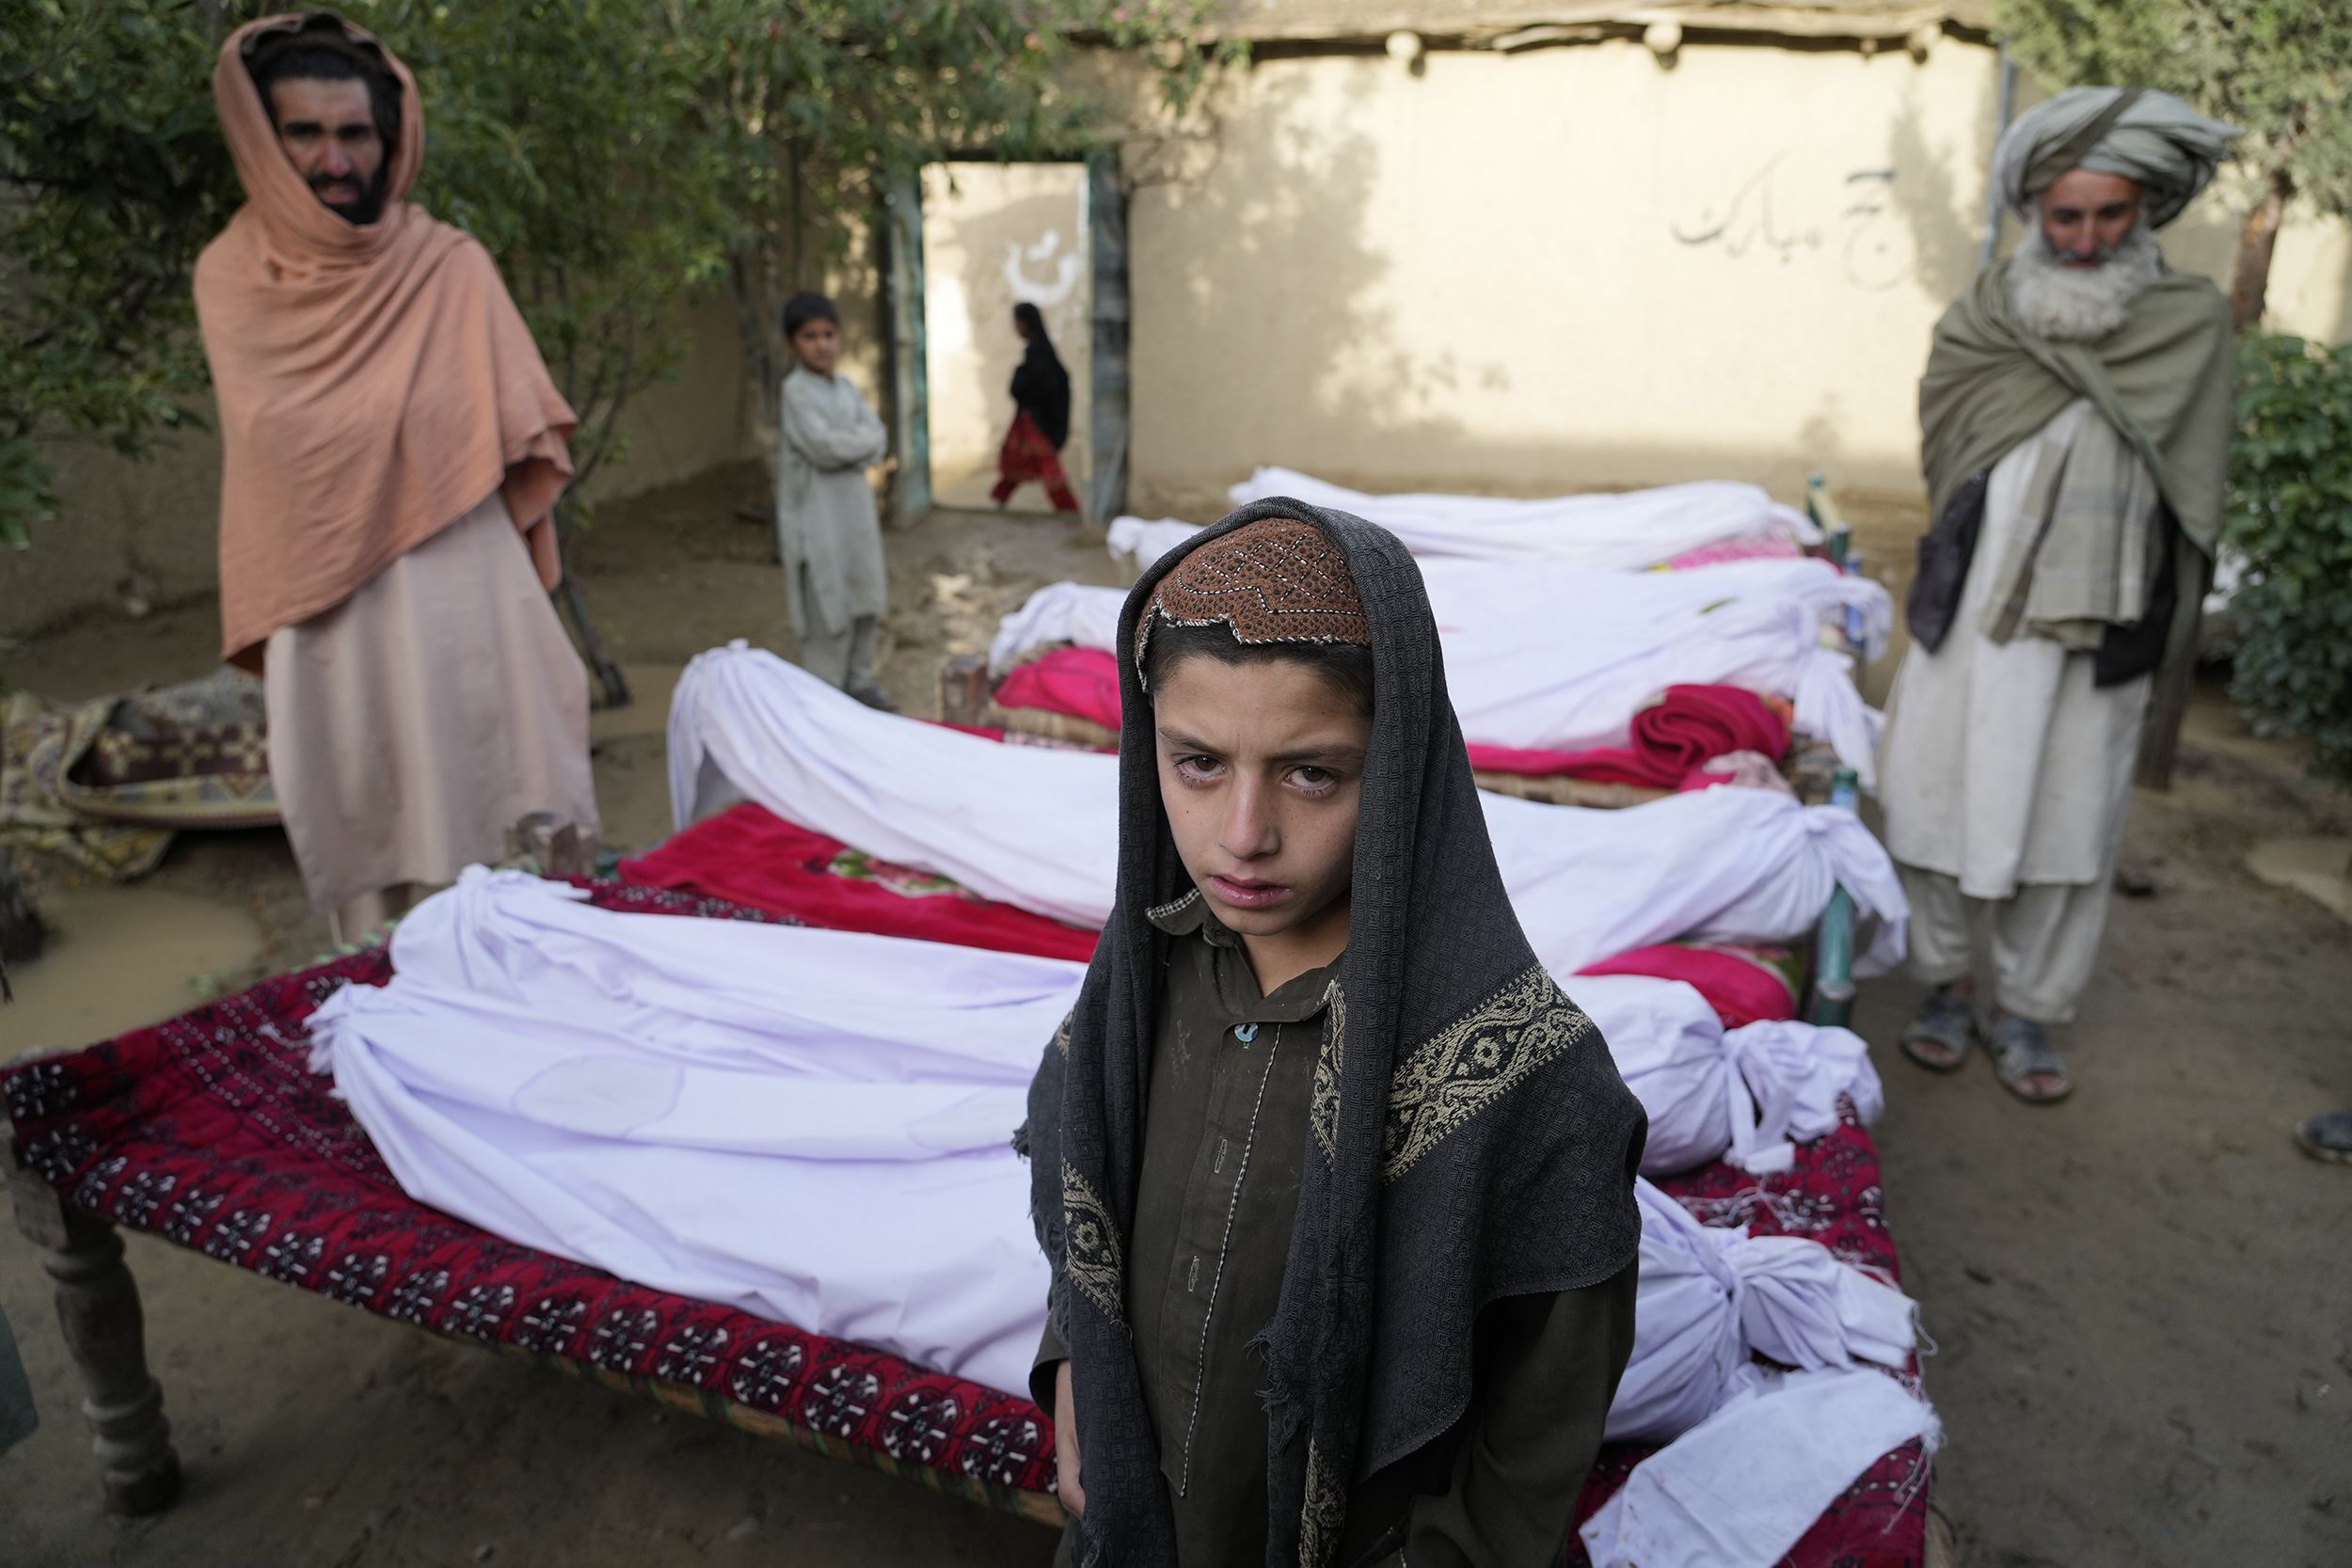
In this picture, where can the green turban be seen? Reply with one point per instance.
(2159, 142)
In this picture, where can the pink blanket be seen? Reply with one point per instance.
(1744, 985)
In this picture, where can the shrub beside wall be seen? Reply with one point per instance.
(2290, 518)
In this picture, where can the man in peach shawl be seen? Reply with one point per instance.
(393, 449)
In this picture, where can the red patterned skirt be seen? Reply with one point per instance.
(1027, 456)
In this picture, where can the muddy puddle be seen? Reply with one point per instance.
(119, 957)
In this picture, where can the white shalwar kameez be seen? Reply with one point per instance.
(412, 724)
(2007, 778)
(836, 582)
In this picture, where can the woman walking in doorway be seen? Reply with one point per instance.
(1040, 420)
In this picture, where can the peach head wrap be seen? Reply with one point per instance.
(376, 382)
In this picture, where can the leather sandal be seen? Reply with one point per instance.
(2019, 1049)
(1945, 1021)
(2327, 1136)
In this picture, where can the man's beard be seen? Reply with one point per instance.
(367, 207)
(2080, 303)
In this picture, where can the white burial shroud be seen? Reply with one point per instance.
(1741, 1488)
(1708, 1297)
(815, 1127)
(1748, 1094)
(1616, 532)
(1632, 529)
(1467, 597)
(1038, 828)
(1545, 657)
(811, 1126)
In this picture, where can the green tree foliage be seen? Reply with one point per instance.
(2291, 520)
(826, 103)
(112, 177)
(2280, 70)
(571, 138)
(616, 156)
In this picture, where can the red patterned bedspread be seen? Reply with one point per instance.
(210, 1131)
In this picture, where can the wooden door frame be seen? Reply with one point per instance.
(1108, 312)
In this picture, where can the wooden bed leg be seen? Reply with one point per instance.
(963, 687)
(105, 1335)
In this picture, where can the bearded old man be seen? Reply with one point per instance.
(2075, 423)
(393, 451)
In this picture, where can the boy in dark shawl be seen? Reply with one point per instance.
(1040, 421)
(1337, 1186)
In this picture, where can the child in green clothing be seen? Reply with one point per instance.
(1336, 1185)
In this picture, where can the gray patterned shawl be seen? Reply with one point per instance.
(1471, 1138)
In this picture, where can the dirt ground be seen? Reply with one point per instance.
(2142, 1298)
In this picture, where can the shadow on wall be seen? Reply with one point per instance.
(995, 234)
(1900, 224)
(1301, 218)
(1931, 193)
(1569, 270)
(127, 537)
(1306, 211)
(1487, 281)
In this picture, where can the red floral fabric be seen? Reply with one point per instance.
(1744, 984)
(210, 1130)
(1027, 454)
(752, 856)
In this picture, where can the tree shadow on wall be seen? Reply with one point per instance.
(1904, 228)
(1292, 189)
(1927, 197)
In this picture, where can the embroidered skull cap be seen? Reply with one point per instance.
(1275, 580)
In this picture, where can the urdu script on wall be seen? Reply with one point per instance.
(1853, 221)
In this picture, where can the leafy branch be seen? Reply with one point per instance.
(619, 158)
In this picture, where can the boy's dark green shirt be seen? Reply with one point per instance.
(1225, 1146)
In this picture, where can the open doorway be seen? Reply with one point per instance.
(996, 235)
(966, 243)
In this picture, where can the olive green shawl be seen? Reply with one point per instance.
(2164, 379)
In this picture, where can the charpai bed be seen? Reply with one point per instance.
(211, 1132)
